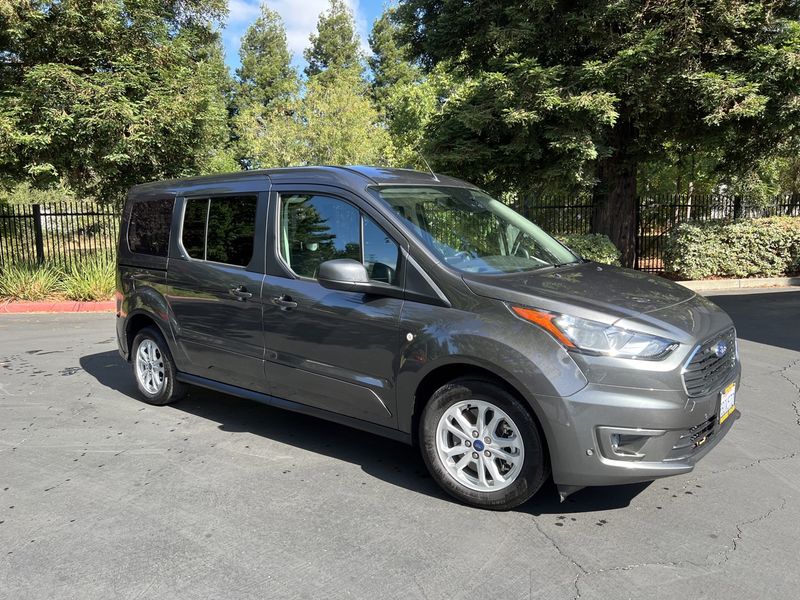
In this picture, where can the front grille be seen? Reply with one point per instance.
(706, 371)
(697, 435)
(692, 439)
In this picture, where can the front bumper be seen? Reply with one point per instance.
(606, 435)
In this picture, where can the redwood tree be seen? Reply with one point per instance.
(564, 95)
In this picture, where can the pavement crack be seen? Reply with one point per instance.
(581, 569)
(583, 572)
(796, 404)
(555, 545)
(726, 554)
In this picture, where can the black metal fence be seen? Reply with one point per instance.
(560, 216)
(66, 232)
(656, 216)
(61, 233)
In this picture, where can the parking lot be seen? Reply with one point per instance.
(102, 496)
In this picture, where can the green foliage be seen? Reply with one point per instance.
(333, 120)
(25, 281)
(340, 124)
(389, 62)
(105, 94)
(91, 279)
(24, 193)
(266, 74)
(592, 246)
(766, 247)
(405, 97)
(335, 45)
(558, 96)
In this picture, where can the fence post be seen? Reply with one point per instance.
(37, 233)
(637, 241)
(737, 207)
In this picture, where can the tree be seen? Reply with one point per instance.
(406, 97)
(389, 62)
(331, 121)
(335, 45)
(265, 125)
(266, 74)
(578, 97)
(340, 124)
(104, 94)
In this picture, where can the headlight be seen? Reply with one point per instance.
(592, 337)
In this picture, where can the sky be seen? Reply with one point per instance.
(299, 17)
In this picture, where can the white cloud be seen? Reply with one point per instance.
(242, 11)
(299, 17)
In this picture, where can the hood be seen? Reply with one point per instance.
(599, 292)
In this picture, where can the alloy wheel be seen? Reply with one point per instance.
(479, 445)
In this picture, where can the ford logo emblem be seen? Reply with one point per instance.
(720, 349)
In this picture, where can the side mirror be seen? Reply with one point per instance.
(346, 275)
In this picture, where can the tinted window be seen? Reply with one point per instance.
(148, 229)
(473, 232)
(231, 228)
(194, 227)
(315, 229)
(220, 229)
(380, 253)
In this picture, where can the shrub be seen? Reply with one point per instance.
(26, 281)
(593, 246)
(766, 247)
(92, 279)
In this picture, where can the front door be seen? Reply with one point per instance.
(215, 288)
(330, 349)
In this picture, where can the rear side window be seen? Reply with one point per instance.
(149, 226)
(220, 229)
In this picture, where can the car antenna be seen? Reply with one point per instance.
(435, 178)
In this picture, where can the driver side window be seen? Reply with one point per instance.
(316, 228)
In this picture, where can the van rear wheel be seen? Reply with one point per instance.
(154, 369)
(481, 445)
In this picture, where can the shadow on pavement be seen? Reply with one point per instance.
(379, 457)
(770, 318)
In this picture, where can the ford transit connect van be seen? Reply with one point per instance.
(417, 307)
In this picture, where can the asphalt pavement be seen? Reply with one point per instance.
(102, 496)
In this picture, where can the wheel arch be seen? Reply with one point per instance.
(138, 321)
(445, 373)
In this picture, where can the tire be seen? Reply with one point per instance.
(157, 384)
(515, 477)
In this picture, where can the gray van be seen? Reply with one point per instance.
(415, 306)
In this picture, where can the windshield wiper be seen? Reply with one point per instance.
(564, 264)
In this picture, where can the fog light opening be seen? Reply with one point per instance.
(623, 444)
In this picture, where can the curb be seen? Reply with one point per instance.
(703, 285)
(68, 306)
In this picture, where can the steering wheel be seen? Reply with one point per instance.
(522, 251)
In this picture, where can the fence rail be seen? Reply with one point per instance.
(656, 216)
(64, 233)
(61, 233)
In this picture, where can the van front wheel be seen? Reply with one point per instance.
(481, 445)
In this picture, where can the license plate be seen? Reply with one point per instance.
(727, 402)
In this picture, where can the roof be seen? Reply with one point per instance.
(342, 176)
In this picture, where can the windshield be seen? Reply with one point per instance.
(473, 232)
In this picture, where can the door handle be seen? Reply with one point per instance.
(285, 302)
(240, 293)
